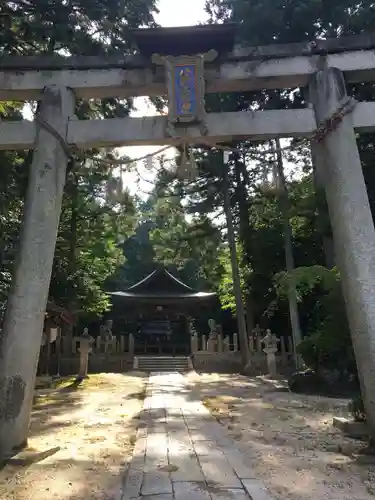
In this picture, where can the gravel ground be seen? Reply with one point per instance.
(289, 439)
(81, 438)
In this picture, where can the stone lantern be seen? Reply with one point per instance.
(270, 343)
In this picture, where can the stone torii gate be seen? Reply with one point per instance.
(56, 82)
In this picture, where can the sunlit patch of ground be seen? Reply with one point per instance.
(288, 438)
(81, 438)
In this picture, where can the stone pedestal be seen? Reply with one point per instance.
(84, 350)
(106, 336)
(271, 360)
(110, 346)
(211, 344)
(212, 338)
(270, 342)
(204, 343)
(194, 343)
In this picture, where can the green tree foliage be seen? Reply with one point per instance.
(328, 345)
(282, 21)
(91, 225)
(165, 234)
(13, 182)
(81, 27)
(288, 21)
(91, 228)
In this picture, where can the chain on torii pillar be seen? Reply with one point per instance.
(337, 157)
(24, 318)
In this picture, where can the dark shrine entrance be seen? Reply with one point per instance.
(162, 307)
(165, 333)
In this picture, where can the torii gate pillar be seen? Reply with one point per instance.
(24, 318)
(352, 225)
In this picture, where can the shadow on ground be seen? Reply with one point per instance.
(81, 437)
(289, 438)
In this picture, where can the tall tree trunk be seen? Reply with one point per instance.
(250, 319)
(73, 237)
(240, 313)
(324, 225)
(289, 257)
(244, 233)
(73, 224)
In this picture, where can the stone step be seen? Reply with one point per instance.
(162, 363)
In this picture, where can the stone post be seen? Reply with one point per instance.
(84, 350)
(98, 343)
(122, 344)
(113, 345)
(226, 344)
(352, 226)
(194, 343)
(235, 342)
(204, 343)
(24, 318)
(131, 345)
(220, 342)
(270, 348)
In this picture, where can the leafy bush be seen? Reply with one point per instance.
(329, 349)
(329, 345)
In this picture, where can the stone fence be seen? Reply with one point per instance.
(116, 345)
(221, 353)
(62, 356)
(214, 352)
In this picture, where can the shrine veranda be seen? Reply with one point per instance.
(331, 120)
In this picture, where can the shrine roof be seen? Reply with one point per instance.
(53, 309)
(161, 284)
(185, 40)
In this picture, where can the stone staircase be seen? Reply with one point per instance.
(162, 363)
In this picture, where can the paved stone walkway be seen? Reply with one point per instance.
(182, 453)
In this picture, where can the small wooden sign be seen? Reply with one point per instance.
(186, 86)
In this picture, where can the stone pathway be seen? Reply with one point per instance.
(182, 453)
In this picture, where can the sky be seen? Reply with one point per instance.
(172, 13)
(180, 12)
